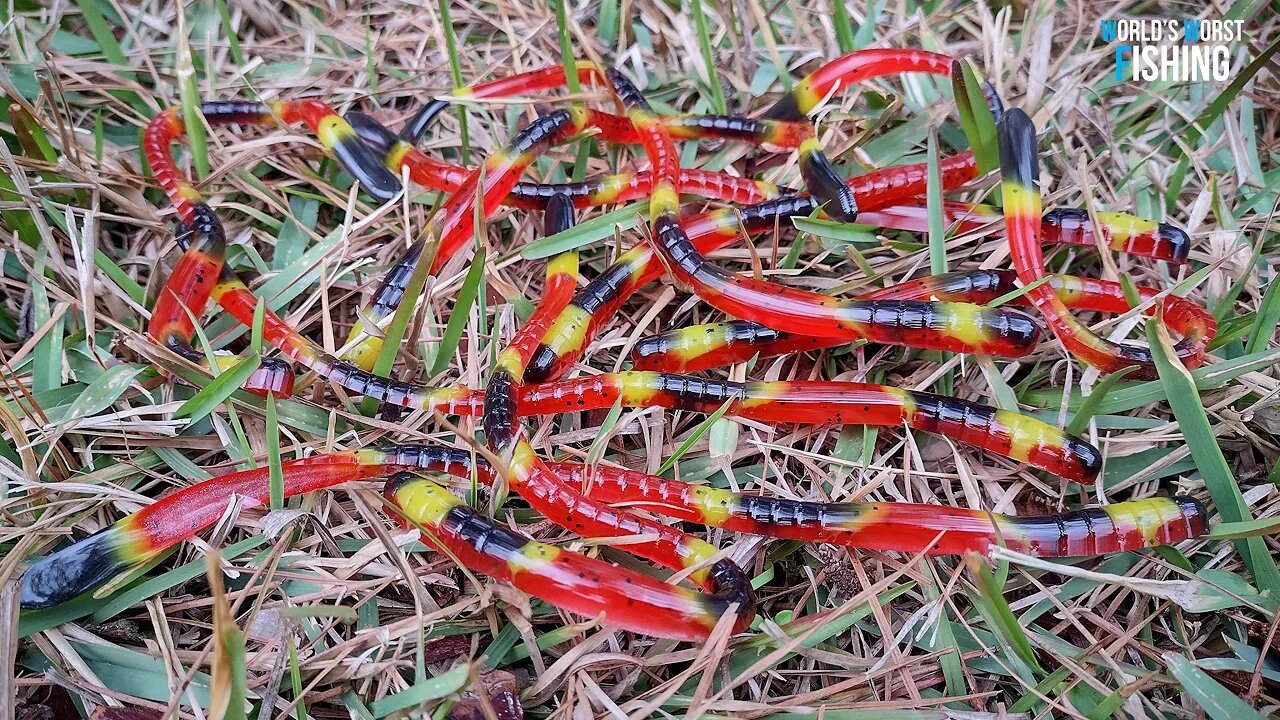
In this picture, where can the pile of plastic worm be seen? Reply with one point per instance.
(531, 375)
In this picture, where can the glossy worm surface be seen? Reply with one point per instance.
(904, 527)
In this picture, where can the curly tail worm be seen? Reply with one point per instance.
(959, 327)
(577, 583)
(1018, 164)
(701, 347)
(181, 515)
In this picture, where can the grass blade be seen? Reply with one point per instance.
(1184, 400)
(461, 311)
(217, 391)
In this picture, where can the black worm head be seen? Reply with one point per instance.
(1018, 148)
(729, 585)
(72, 571)
(395, 482)
(1088, 457)
(558, 215)
(541, 365)
(1196, 514)
(1178, 241)
(825, 184)
(373, 176)
(417, 126)
(377, 136)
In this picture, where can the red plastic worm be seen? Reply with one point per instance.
(201, 266)
(1018, 164)
(273, 376)
(1122, 232)
(960, 327)
(779, 133)
(700, 347)
(579, 584)
(1011, 434)
(811, 92)
(182, 514)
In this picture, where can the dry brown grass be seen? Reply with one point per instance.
(335, 589)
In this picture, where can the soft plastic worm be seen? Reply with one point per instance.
(960, 327)
(273, 375)
(700, 347)
(577, 583)
(623, 187)
(1019, 168)
(1122, 232)
(189, 286)
(810, 93)
(181, 515)
(779, 133)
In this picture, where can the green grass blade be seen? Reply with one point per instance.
(933, 194)
(1217, 701)
(189, 96)
(274, 470)
(455, 73)
(1089, 408)
(975, 116)
(217, 391)
(461, 311)
(708, 58)
(1192, 419)
(697, 433)
(441, 685)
